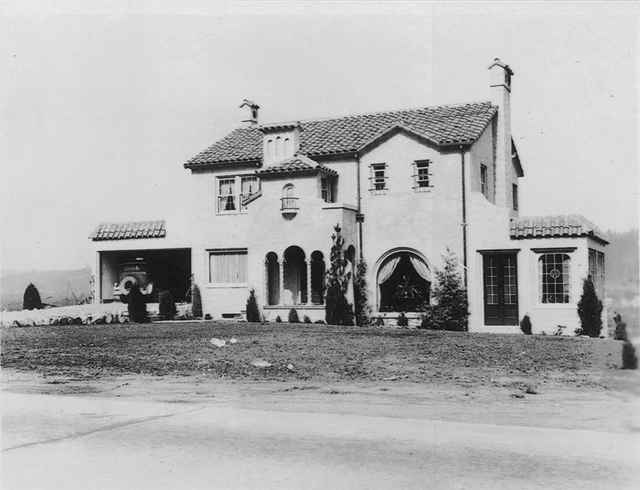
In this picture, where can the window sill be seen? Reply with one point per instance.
(230, 213)
(227, 285)
(378, 191)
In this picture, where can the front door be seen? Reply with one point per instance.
(500, 289)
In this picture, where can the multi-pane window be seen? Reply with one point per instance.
(378, 177)
(421, 174)
(596, 271)
(228, 266)
(327, 189)
(554, 278)
(483, 179)
(491, 282)
(515, 196)
(510, 282)
(232, 191)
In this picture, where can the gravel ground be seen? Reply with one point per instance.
(286, 352)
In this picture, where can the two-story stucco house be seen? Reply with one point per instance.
(403, 186)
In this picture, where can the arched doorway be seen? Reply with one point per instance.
(272, 269)
(317, 278)
(295, 276)
(404, 282)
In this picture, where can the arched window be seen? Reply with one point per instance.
(287, 147)
(289, 200)
(279, 150)
(554, 278)
(318, 273)
(404, 282)
(270, 148)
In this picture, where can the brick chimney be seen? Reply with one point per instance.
(249, 113)
(501, 76)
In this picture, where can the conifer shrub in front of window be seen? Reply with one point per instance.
(361, 303)
(253, 311)
(166, 305)
(278, 319)
(137, 305)
(338, 311)
(629, 356)
(590, 309)
(31, 298)
(306, 319)
(450, 310)
(196, 302)
(525, 325)
(403, 321)
(293, 316)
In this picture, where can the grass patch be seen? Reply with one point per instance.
(316, 352)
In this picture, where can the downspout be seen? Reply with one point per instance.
(359, 212)
(464, 217)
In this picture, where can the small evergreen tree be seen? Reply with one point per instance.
(590, 309)
(137, 305)
(253, 311)
(196, 302)
(338, 311)
(293, 316)
(31, 299)
(403, 321)
(450, 310)
(166, 305)
(525, 325)
(361, 302)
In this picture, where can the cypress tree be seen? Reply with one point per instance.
(361, 302)
(166, 305)
(253, 312)
(137, 305)
(337, 310)
(196, 302)
(590, 309)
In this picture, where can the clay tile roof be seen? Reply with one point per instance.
(297, 163)
(131, 230)
(572, 225)
(443, 125)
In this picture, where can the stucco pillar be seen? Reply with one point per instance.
(309, 303)
(281, 263)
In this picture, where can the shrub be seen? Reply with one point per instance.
(253, 311)
(319, 322)
(629, 357)
(31, 299)
(621, 328)
(196, 300)
(306, 319)
(338, 311)
(361, 303)
(379, 322)
(451, 308)
(166, 305)
(525, 325)
(278, 319)
(137, 306)
(402, 320)
(590, 309)
(293, 316)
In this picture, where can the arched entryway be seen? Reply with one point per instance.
(295, 276)
(404, 281)
(272, 271)
(317, 278)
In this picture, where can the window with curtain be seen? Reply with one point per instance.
(233, 190)
(554, 278)
(228, 266)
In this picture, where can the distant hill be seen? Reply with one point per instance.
(60, 288)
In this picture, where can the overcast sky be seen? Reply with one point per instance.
(102, 103)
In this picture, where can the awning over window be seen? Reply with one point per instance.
(130, 230)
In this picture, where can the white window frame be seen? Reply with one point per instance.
(567, 279)
(237, 194)
(376, 180)
(419, 179)
(327, 189)
(242, 268)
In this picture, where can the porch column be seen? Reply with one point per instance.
(309, 302)
(265, 294)
(281, 263)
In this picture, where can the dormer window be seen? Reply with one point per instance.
(280, 142)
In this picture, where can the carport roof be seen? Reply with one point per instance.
(129, 230)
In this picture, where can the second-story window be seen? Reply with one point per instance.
(327, 189)
(483, 179)
(378, 177)
(421, 174)
(233, 190)
(289, 200)
(515, 197)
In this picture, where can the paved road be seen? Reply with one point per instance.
(75, 442)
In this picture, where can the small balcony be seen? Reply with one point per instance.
(289, 205)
